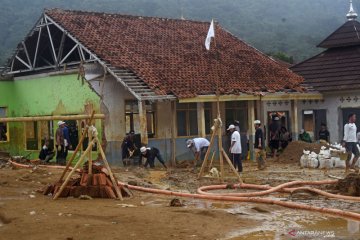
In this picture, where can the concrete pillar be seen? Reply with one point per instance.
(201, 119)
(143, 122)
(251, 129)
(294, 119)
(173, 133)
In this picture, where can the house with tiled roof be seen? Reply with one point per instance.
(335, 73)
(152, 76)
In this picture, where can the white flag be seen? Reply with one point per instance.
(211, 33)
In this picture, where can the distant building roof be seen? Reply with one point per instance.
(169, 55)
(333, 70)
(346, 35)
(338, 67)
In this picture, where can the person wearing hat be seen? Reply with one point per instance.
(235, 148)
(304, 136)
(274, 135)
(199, 147)
(60, 148)
(259, 145)
(150, 153)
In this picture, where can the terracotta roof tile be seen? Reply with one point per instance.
(170, 56)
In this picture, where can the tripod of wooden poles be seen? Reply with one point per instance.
(92, 134)
(216, 129)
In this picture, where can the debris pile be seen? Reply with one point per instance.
(294, 151)
(4, 157)
(350, 185)
(96, 185)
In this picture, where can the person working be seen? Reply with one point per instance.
(199, 147)
(285, 137)
(46, 154)
(304, 136)
(67, 143)
(324, 135)
(235, 148)
(259, 145)
(60, 148)
(350, 141)
(274, 129)
(150, 153)
(128, 148)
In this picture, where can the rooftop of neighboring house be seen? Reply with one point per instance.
(170, 57)
(338, 67)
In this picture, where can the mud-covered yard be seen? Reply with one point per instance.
(25, 213)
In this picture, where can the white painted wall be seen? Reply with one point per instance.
(333, 105)
(115, 96)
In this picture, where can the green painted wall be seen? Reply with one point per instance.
(52, 95)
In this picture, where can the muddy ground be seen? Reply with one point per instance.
(27, 214)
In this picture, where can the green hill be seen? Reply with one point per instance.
(293, 27)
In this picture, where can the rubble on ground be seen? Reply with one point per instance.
(294, 151)
(96, 185)
(350, 185)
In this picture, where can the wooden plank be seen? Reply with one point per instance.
(201, 119)
(78, 147)
(223, 98)
(294, 119)
(231, 165)
(77, 165)
(216, 126)
(51, 118)
(220, 144)
(143, 122)
(251, 130)
(107, 166)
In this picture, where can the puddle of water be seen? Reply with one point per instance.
(285, 224)
(276, 222)
(222, 205)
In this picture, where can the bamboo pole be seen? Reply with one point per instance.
(78, 147)
(50, 118)
(220, 144)
(90, 176)
(116, 186)
(216, 124)
(73, 170)
(221, 157)
(231, 165)
(212, 160)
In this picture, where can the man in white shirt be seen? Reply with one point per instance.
(235, 148)
(350, 140)
(199, 147)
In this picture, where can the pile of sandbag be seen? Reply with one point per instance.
(333, 157)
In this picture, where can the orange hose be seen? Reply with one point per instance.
(202, 190)
(332, 211)
(224, 197)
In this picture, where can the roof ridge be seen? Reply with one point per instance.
(323, 44)
(124, 15)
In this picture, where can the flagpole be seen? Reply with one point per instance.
(220, 146)
(214, 32)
